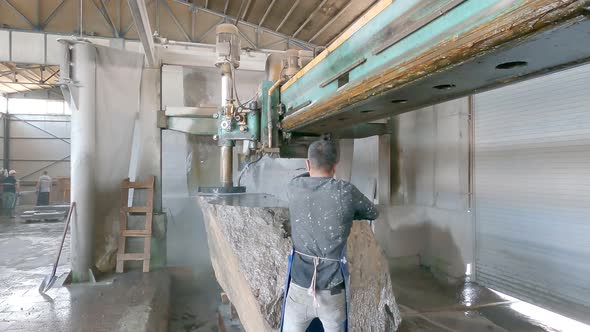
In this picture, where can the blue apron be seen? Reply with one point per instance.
(346, 275)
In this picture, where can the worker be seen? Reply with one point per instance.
(10, 191)
(322, 210)
(43, 189)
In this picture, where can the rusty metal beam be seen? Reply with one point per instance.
(511, 26)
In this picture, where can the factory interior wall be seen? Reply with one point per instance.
(33, 150)
(428, 220)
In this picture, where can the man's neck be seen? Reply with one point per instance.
(315, 174)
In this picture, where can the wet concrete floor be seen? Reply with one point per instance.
(127, 302)
(194, 300)
(428, 305)
(137, 302)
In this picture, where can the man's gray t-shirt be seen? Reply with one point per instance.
(44, 183)
(321, 211)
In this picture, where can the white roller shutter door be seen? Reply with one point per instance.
(532, 190)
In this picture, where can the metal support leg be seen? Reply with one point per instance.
(227, 164)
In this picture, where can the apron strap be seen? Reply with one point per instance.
(311, 291)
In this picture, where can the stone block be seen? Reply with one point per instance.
(249, 244)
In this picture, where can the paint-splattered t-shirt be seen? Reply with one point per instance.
(321, 211)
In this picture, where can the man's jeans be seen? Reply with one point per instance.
(8, 201)
(300, 310)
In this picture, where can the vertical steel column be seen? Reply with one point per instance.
(6, 141)
(83, 155)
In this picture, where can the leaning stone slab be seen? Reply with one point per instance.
(249, 242)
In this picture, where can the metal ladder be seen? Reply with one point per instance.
(146, 233)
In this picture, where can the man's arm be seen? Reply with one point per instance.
(364, 209)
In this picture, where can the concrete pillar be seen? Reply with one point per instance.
(83, 156)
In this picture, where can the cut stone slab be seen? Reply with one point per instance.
(249, 243)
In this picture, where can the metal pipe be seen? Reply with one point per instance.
(227, 164)
(227, 92)
(270, 125)
(83, 155)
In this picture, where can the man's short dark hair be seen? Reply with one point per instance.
(45, 172)
(323, 154)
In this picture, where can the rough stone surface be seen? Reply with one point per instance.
(249, 246)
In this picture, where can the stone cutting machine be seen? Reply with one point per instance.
(399, 56)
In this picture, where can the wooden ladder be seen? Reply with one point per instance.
(146, 233)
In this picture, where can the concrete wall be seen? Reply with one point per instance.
(429, 218)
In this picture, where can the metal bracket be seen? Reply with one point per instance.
(161, 121)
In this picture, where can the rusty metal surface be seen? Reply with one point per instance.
(512, 27)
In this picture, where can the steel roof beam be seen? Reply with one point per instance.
(309, 18)
(332, 20)
(272, 3)
(176, 22)
(226, 7)
(19, 14)
(287, 16)
(142, 23)
(298, 42)
(52, 15)
(246, 10)
(106, 17)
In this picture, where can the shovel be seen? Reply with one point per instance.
(50, 279)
